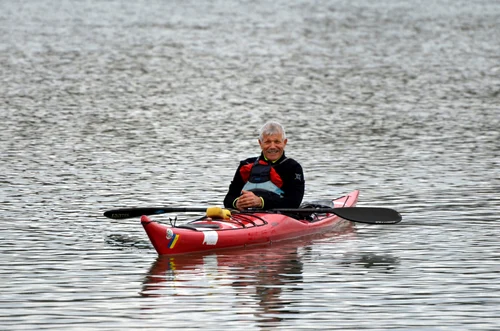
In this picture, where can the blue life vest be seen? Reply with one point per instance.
(260, 179)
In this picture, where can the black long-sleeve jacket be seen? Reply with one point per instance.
(293, 187)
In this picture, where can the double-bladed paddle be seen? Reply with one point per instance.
(369, 215)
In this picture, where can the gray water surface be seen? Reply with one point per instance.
(109, 104)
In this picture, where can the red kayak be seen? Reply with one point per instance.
(241, 229)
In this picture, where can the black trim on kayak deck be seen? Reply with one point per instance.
(198, 226)
(246, 217)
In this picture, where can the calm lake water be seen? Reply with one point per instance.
(109, 104)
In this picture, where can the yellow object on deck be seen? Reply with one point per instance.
(218, 212)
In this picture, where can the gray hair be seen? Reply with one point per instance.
(272, 128)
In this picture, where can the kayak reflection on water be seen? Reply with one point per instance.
(262, 273)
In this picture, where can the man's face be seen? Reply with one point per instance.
(272, 146)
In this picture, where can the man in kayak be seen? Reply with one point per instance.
(269, 181)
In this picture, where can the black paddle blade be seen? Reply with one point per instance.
(119, 214)
(370, 215)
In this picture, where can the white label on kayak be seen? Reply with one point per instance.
(211, 237)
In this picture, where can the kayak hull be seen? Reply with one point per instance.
(242, 229)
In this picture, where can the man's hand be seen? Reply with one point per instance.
(247, 200)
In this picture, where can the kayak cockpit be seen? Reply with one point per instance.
(236, 221)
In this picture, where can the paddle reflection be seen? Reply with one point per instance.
(384, 263)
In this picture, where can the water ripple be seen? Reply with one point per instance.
(120, 104)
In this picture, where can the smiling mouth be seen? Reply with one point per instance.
(272, 153)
